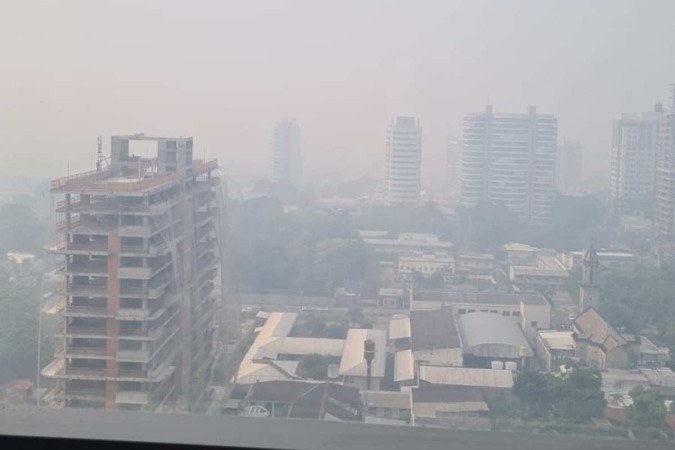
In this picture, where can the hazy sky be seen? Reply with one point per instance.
(225, 71)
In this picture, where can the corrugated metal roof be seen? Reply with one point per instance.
(353, 363)
(479, 329)
(464, 376)
(404, 366)
(399, 328)
(433, 329)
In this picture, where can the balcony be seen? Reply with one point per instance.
(151, 292)
(80, 331)
(90, 268)
(84, 394)
(141, 356)
(73, 248)
(87, 290)
(132, 397)
(135, 273)
(85, 311)
(85, 352)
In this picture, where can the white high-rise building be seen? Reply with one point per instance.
(403, 161)
(633, 162)
(510, 159)
(287, 155)
(569, 167)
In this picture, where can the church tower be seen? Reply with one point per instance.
(589, 293)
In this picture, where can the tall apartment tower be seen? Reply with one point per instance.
(589, 293)
(569, 168)
(287, 154)
(510, 159)
(403, 161)
(664, 198)
(633, 161)
(453, 157)
(142, 254)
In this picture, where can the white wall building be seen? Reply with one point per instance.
(403, 161)
(287, 155)
(569, 168)
(633, 160)
(510, 159)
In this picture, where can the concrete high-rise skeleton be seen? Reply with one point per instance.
(633, 161)
(510, 159)
(287, 154)
(141, 240)
(403, 161)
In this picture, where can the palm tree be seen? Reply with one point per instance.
(617, 399)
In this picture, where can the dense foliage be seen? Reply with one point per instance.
(19, 306)
(641, 300)
(575, 397)
(20, 229)
(300, 252)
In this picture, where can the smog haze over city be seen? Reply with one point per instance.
(224, 72)
(319, 224)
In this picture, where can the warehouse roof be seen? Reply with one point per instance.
(432, 329)
(464, 376)
(483, 329)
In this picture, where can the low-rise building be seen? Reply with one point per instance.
(475, 265)
(610, 260)
(303, 400)
(546, 272)
(389, 408)
(450, 406)
(599, 345)
(399, 332)
(391, 298)
(520, 254)
(262, 361)
(488, 380)
(530, 310)
(554, 347)
(406, 243)
(487, 337)
(651, 355)
(353, 368)
(427, 266)
(435, 338)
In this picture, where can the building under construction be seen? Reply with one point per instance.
(143, 285)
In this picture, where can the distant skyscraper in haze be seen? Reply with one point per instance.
(664, 198)
(569, 168)
(287, 157)
(403, 161)
(453, 173)
(633, 162)
(510, 159)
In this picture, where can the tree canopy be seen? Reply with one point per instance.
(575, 397)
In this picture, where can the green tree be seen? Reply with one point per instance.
(314, 366)
(20, 229)
(647, 410)
(532, 389)
(19, 306)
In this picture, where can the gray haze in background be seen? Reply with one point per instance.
(226, 71)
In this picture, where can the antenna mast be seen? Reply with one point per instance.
(99, 154)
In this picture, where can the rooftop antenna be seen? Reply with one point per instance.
(99, 154)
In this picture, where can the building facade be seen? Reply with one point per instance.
(287, 154)
(510, 159)
(140, 241)
(633, 161)
(569, 168)
(403, 161)
(453, 162)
